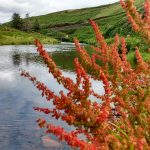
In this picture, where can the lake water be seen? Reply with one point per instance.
(18, 128)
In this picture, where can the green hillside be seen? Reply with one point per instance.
(66, 25)
(10, 36)
(80, 15)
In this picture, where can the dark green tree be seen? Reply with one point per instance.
(36, 26)
(17, 21)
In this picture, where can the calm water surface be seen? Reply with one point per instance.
(18, 129)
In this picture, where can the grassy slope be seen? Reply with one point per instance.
(10, 36)
(74, 23)
(76, 16)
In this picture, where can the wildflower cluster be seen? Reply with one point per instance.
(140, 23)
(121, 117)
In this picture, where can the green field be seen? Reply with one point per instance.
(66, 25)
(10, 36)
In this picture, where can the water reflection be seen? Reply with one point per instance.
(18, 129)
(63, 59)
(16, 58)
(6, 75)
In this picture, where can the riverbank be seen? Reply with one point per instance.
(10, 36)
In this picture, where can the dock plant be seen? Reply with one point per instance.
(120, 118)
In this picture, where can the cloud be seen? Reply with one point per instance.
(4, 17)
(40, 7)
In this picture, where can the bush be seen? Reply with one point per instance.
(121, 118)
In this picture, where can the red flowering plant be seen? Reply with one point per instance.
(121, 117)
(140, 23)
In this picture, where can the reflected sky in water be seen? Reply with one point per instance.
(18, 129)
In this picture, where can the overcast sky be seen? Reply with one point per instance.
(41, 7)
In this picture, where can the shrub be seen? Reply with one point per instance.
(139, 23)
(121, 117)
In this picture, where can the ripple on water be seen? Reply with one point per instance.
(18, 129)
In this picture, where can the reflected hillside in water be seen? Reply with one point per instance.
(63, 59)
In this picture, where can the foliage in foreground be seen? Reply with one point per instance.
(121, 117)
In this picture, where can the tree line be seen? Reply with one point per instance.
(24, 24)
